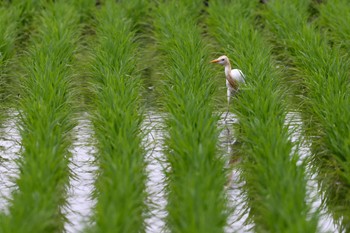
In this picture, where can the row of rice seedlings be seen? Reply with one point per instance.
(10, 34)
(27, 12)
(81, 83)
(196, 176)
(334, 17)
(21, 15)
(274, 185)
(46, 121)
(9, 19)
(324, 78)
(79, 204)
(117, 118)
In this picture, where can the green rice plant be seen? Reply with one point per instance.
(46, 121)
(151, 77)
(334, 17)
(9, 17)
(17, 15)
(196, 175)
(8, 33)
(117, 117)
(86, 9)
(324, 78)
(27, 12)
(274, 185)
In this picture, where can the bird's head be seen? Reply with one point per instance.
(222, 60)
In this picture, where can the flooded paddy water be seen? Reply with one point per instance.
(10, 145)
(173, 42)
(325, 223)
(156, 163)
(82, 164)
(81, 185)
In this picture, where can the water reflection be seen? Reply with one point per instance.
(81, 184)
(153, 126)
(325, 223)
(231, 147)
(10, 140)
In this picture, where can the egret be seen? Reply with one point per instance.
(234, 78)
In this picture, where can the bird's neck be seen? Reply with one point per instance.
(227, 69)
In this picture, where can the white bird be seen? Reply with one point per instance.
(234, 77)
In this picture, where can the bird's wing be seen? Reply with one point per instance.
(238, 75)
(231, 84)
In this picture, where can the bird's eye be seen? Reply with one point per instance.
(223, 59)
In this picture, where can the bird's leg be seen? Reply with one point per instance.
(228, 109)
(228, 102)
(227, 128)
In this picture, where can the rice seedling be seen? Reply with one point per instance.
(9, 17)
(334, 17)
(81, 84)
(196, 176)
(26, 25)
(324, 78)
(274, 185)
(46, 121)
(8, 33)
(117, 118)
(17, 16)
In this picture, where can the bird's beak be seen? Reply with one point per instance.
(214, 61)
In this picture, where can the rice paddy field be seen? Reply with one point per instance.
(113, 119)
